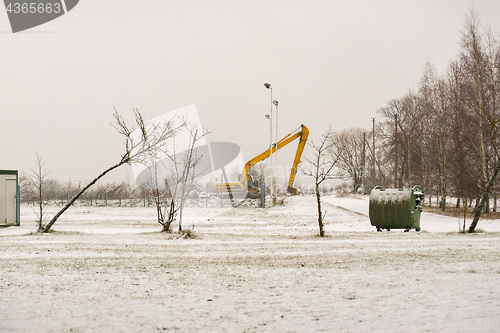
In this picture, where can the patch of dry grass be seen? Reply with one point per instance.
(452, 211)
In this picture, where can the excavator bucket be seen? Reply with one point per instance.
(293, 190)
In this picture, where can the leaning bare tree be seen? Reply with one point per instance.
(137, 148)
(38, 180)
(320, 168)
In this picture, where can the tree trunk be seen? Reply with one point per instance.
(442, 181)
(481, 203)
(487, 205)
(170, 217)
(70, 202)
(495, 201)
(482, 144)
(320, 215)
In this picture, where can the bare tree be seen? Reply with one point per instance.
(185, 169)
(481, 70)
(461, 164)
(170, 189)
(435, 102)
(38, 179)
(320, 168)
(137, 148)
(347, 147)
(166, 210)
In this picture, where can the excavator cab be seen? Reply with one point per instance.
(253, 187)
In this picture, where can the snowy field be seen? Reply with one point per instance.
(108, 269)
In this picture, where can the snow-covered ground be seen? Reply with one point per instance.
(108, 269)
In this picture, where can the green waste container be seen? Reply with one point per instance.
(396, 208)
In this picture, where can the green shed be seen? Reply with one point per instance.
(9, 198)
(396, 208)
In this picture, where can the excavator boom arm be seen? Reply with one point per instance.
(303, 134)
(296, 161)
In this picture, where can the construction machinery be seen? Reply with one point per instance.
(250, 185)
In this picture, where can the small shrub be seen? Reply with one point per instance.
(187, 233)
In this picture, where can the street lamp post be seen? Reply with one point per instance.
(277, 138)
(268, 86)
(270, 131)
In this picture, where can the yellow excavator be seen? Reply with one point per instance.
(246, 182)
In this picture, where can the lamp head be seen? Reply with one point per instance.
(275, 102)
(267, 85)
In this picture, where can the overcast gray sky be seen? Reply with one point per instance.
(331, 63)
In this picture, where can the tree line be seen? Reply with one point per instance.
(442, 134)
(62, 192)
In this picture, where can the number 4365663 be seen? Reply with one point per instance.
(33, 8)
